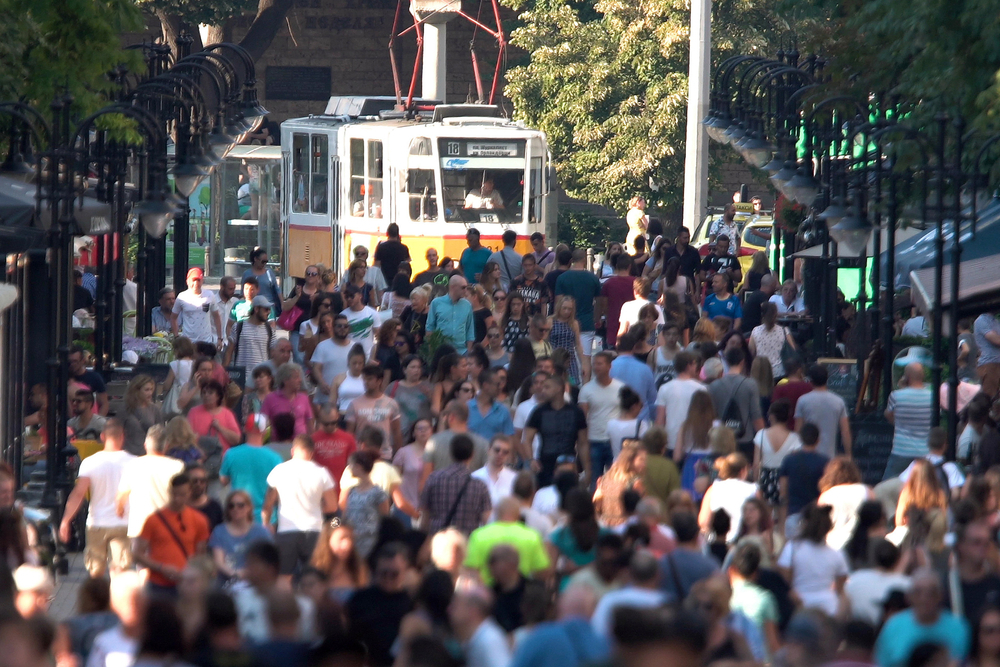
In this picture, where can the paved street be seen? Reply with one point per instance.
(67, 588)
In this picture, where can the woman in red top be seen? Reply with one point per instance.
(212, 418)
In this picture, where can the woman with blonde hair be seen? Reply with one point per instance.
(565, 335)
(703, 332)
(624, 474)
(140, 413)
(181, 442)
(637, 221)
(692, 439)
(841, 488)
(922, 491)
(758, 269)
(337, 557)
(729, 492)
(230, 539)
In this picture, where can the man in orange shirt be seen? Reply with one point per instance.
(170, 536)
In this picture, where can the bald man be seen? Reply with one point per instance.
(451, 314)
(909, 410)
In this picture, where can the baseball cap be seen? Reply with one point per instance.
(256, 421)
(195, 273)
(260, 301)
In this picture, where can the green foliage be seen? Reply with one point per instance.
(607, 80)
(930, 55)
(195, 12)
(50, 47)
(579, 229)
(432, 341)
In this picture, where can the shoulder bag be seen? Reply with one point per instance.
(454, 506)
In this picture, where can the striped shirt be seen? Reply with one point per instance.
(911, 408)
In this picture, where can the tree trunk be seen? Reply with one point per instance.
(269, 20)
(172, 27)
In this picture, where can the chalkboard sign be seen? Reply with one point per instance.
(872, 445)
(298, 83)
(842, 379)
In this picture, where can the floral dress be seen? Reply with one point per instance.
(362, 514)
(512, 333)
(563, 338)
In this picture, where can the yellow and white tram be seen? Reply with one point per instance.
(352, 171)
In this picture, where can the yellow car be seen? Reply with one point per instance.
(755, 234)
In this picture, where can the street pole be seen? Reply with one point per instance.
(696, 149)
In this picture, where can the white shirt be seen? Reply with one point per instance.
(251, 610)
(476, 199)
(546, 501)
(770, 458)
(814, 567)
(499, 489)
(729, 495)
(192, 319)
(915, 327)
(675, 396)
(332, 358)
(112, 648)
(533, 518)
(798, 306)
(300, 485)
(104, 470)
(845, 500)
(147, 481)
(867, 589)
(224, 308)
(956, 479)
(620, 429)
(630, 596)
(966, 442)
(630, 313)
(603, 406)
(363, 325)
(521, 415)
(488, 646)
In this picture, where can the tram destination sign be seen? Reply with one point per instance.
(479, 147)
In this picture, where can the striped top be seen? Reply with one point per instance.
(911, 408)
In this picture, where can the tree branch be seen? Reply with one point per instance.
(269, 20)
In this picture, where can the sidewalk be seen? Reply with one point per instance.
(67, 588)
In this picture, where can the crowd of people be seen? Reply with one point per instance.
(511, 460)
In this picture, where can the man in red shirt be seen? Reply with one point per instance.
(171, 536)
(333, 444)
(616, 291)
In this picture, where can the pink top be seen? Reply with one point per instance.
(201, 421)
(276, 403)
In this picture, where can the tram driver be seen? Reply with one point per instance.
(484, 197)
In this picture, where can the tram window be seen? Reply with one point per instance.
(300, 173)
(375, 179)
(358, 177)
(320, 168)
(420, 146)
(536, 187)
(421, 193)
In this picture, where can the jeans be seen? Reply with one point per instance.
(601, 458)
(896, 464)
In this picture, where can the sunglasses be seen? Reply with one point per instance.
(233, 506)
(341, 325)
(312, 273)
(199, 480)
(399, 343)
(468, 389)
(493, 335)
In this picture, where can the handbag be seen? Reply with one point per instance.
(289, 318)
(211, 446)
(788, 353)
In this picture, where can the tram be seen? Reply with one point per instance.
(361, 165)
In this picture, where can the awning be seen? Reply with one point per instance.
(92, 216)
(978, 287)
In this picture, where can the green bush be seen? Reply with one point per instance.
(579, 229)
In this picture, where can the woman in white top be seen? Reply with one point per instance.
(728, 492)
(842, 490)
(348, 386)
(771, 446)
(628, 426)
(662, 360)
(815, 571)
(768, 339)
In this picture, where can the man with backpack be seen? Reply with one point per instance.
(250, 339)
(948, 473)
(737, 402)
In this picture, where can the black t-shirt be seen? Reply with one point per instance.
(690, 259)
(557, 428)
(401, 286)
(373, 617)
(507, 609)
(753, 279)
(479, 318)
(714, 263)
(213, 512)
(82, 297)
(415, 324)
(751, 310)
(389, 360)
(535, 293)
(93, 380)
(389, 254)
(550, 279)
(977, 595)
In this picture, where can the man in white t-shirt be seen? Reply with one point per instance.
(303, 491)
(867, 589)
(330, 357)
(674, 398)
(193, 312)
(145, 482)
(226, 299)
(497, 477)
(600, 402)
(937, 444)
(100, 474)
(364, 320)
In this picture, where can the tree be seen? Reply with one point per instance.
(177, 16)
(607, 81)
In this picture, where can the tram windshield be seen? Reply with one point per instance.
(482, 180)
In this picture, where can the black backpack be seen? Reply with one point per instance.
(239, 334)
(732, 416)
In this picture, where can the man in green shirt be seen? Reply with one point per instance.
(662, 477)
(509, 530)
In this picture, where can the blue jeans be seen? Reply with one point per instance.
(601, 458)
(896, 464)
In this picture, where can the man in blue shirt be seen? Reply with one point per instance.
(452, 315)
(723, 302)
(635, 374)
(474, 257)
(487, 416)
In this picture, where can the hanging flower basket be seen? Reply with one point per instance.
(788, 214)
